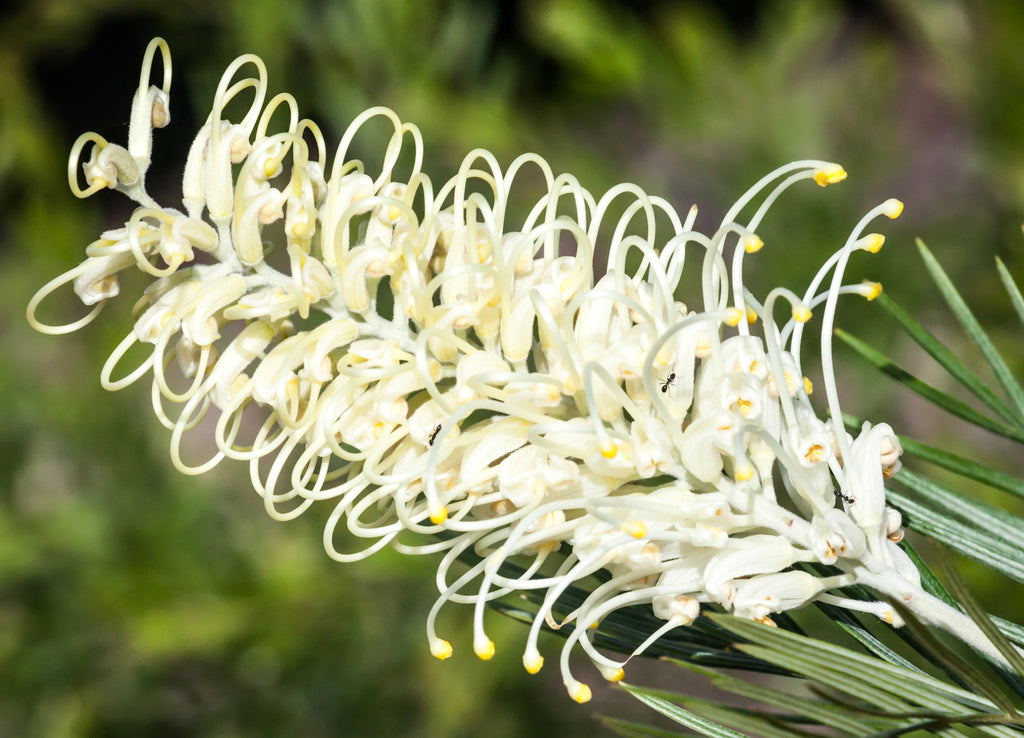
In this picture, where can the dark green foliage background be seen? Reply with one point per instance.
(136, 602)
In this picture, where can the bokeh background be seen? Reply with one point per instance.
(136, 602)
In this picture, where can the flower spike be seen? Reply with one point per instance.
(512, 403)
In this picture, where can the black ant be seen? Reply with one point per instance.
(845, 498)
(433, 435)
(668, 382)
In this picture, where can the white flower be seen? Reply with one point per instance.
(760, 596)
(516, 400)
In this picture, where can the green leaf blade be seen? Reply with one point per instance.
(836, 663)
(995, 523)
(1016, 299)
(974, 331)
(948, 360)
(964, 467)
(681, 715)
(945, 401)
(958, 536)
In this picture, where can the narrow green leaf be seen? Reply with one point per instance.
(979, 616)
(909, 722)
(989, 519)
(959, 537)
(948, 360)
(849, 623)
(946, 726)
(947, 402)
(929, 581)
(842, 661)
(964, 467)
(934, 587)
(1002, 731)
(632, 729)
(1012, 631)
(879, 694)
(751, 723)
(974, 330)
(932, 726)
(1011, 288)
(945, 655)
(681, 715)
(817, 710)
(761, 725)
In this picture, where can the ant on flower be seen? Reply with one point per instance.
(668, 383)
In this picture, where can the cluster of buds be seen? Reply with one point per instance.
(451, 379)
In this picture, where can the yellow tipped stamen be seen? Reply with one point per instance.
(752, 244)
(744, 406)
(892, 208)
(609, 449)
(394, 213)
(801, 313)
(808, 386)
(634, 528)
(485, 650)
(870, 290)
(613, 675)
(751, 316)
(830, 175)
(579, 692)
(594, 625)
(533, 662)
(440, 649)
(733, 316)
(872, 243)
(439, 515)
(744, 473)
(791, 382)
(815, 453)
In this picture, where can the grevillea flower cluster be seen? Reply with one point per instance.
(449, 378)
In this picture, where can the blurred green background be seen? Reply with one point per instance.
(136, 602)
